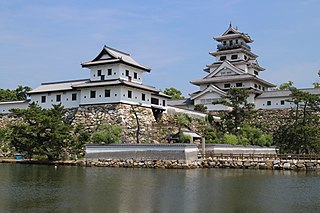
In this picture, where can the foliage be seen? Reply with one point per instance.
(174, 93)
(107, 134)
(286, 86)
(40, 131)
(4, 141)
(200, 108)
(230, 139)
(14, 95)
(79, 137)
(211, 136)
(241, 110)
(254, 136)
(183, 120)
(301, 133)
(184, 138)
(317, 84)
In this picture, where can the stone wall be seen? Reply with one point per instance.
(207, 163)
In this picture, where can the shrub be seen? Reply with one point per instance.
(107, 134)
(184, 138)
(230, 139)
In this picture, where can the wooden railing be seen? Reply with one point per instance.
(257, 157)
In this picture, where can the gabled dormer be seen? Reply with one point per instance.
(111, 64)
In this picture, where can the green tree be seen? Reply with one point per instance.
(21, 92)
(183, 120)
(107, 134)
(200, 108)
(317, 84)
(174, 93)
(40, 131)
(14, 95)
(286, 86)
(241, 110)
(301, 133)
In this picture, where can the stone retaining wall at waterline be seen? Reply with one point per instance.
(207, 163)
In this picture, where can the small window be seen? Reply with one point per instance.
(163, 102)
(127, 72)
(226, 85)
(74, 96)
(92, 94)
(255, 86)
(234, 57)
(43, 99)
(109, 71)
(143, 96)
(245, 57)
(239, 84)
(268, 103)
(256, 72)
(230, 43)
(282, 102)
(224, 42)
(259, 86)
(237, 41)
(222, 58)
(263, 88)
(135, 75)
(99, 72)
(129, 94)
(107, 93)
(58, 98)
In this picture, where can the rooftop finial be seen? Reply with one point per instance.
(230, 24)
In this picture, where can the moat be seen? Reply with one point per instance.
(42, 188)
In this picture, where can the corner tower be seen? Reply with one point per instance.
(235, 66)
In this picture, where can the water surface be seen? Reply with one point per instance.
(34, 188)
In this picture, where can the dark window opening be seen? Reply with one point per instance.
(163, 102)
(224, 42)
(230, 43)
(92, 94)
(255, 86)
(143, 96)
(282, 102)
(259, 86)
(102, 77)
(99, 73)
(238, 84)
(43, 99)
(74, 96)
(109, 71)
(227, 85)
(129, 94)
(127, 72)
(58, 98)
(236, 41)
(268, 103)
(107, 93)
(222, 58)
(135, 75)
(155, 101)
(256, 72)
(234, 56)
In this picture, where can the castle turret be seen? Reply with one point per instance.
(236, 66)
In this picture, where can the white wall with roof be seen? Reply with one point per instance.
(6, 106)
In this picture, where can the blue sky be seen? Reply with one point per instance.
(45, 41)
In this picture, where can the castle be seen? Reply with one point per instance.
(115, 77)
(236, 66)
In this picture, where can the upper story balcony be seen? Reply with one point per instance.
(233, 46)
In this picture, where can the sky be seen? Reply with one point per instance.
(45, 41)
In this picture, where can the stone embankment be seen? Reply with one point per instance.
(208, 163)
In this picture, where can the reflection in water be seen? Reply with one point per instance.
(32, 188)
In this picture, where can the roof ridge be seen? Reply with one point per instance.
(67, 81)
(119, 51)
